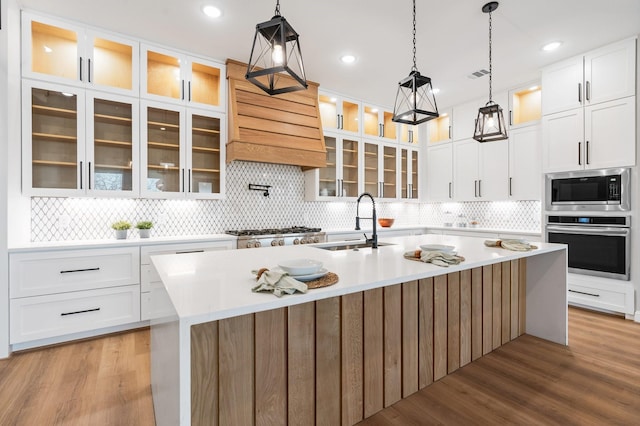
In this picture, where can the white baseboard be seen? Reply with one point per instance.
(637, 317)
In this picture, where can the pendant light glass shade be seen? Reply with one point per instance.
(275, 64)
(415, 100)
(490, 125)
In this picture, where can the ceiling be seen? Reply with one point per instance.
(452, 36)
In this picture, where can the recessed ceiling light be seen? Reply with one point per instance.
(348, 59)
(211, 11)
(551, 46)
(435, 90)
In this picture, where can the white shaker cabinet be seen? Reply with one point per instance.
(480, 170)
(525, 163)
(440, 172)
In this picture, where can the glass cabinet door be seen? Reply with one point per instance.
(389, 189)
(371, 173)
(328, 111)
(56, 146)
(409, 133)
(414, 175)
(205, 155)
(163, 151)
(113, 129)
(328, 175)
(349, 168)
(163, 75)
(371, 125)
(113, 63)
(54, 50)
(203, 86)
(404, 173)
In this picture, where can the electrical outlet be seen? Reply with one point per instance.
(64, 221)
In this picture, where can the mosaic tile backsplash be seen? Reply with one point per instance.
(61, 219)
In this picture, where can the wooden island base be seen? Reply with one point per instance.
(342, 359)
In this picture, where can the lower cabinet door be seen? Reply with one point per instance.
(42, 317)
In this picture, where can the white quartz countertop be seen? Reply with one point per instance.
(214, 285)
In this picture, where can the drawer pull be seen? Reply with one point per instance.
(190, 251)
(584, 292)
(64, 314)
(79, 270)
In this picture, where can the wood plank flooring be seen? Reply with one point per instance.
(596, 380)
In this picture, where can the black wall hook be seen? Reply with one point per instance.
(263, 188)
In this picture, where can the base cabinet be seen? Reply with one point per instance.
(601, 293)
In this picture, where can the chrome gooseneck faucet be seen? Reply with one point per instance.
(374, 237)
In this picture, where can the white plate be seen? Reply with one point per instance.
(300, 266)
(438, 247)
(319, 274)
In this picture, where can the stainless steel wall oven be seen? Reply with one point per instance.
(598, 245)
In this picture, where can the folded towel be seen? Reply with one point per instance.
(277, 282)
(436, 257)
(515, 245)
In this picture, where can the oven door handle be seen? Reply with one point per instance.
(605, 231)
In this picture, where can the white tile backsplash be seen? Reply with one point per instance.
(61, 219)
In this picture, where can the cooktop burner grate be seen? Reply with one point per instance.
(272, 231)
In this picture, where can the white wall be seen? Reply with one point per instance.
(4, 136)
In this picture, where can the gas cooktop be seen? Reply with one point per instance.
(272, 231)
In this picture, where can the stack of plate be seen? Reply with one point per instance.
(303, 269)
(439, 247)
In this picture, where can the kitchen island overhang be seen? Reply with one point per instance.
(211, 310)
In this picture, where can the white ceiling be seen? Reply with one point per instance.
(452, 36)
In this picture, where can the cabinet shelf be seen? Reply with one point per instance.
(350, 166)
(110, 142)
(350, 181)
(56, 137)
(58, 112)
(203, 130)
(374, 169)
(163, 145)
(327, 180)
(159, 124)
(54, 163)
(155, 167)
(204, 149)
(330, 148)
(112, 166)
(112, 118)
(205, 170)
(371, 154)
(355, 151)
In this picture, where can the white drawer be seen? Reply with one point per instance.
(148, 275)
(616, 300)
(41, 273)
(147, 251)
(41, 317)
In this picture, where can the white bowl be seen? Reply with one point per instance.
(300, 266)
(438, 247)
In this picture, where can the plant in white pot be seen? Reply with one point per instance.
(122, 228)
(144, 228)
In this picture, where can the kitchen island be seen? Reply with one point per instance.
(221, 354)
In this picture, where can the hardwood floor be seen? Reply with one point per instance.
(596, 380)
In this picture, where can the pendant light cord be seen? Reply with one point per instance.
(415, 68)
(490, 62)
(277, 12)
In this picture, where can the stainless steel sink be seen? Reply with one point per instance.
(355, 245)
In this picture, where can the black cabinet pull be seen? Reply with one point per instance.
(182, 93)
(586, 154)
(510, 187)
(585, 293)
(480, 188)
(189, 91)
(587, 90)
(81, 172)
(579, 154)
(89, 70)
(449, 189)
(510, 117)
(81, 68)
(64, 314)
(580, 92)
(89, 180)
(190, 251)
(70, 271)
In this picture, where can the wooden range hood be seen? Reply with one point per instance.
(282, 129)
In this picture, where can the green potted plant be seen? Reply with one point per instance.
(144, 228)
(122, 228)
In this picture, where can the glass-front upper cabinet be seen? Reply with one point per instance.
(339, 113)
(341, 176)
(372, 180)
(78, 144)
(409, 134)
(390, 172)
(175, 77)
(409, 174)
(378, 123)
(60, 52)
(182, 152)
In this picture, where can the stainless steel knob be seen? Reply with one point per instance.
(281, 242)
(316, 239)
(274, 243)
(258, 244)
(296, 242)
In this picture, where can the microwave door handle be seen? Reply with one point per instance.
(604, 231)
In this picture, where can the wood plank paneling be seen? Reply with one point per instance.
(425, 330)
(522, 283)
(373, 351)
(496, 305)
(409, 338)
(439, 327)
(271, 367)
(487, 309)
(515, 299)
(301, 364)
(453, 322)
(275, 103)
(328, 378)
(236, 360)
(276, 117)
(506, 301)
(476, 313)
(204, 374)
(392, 344)
(465, 317)
(352, 358)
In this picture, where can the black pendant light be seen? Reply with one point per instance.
(490, 125)
(275, 56)
(415, 101)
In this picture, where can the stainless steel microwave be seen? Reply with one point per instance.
(589, 190)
